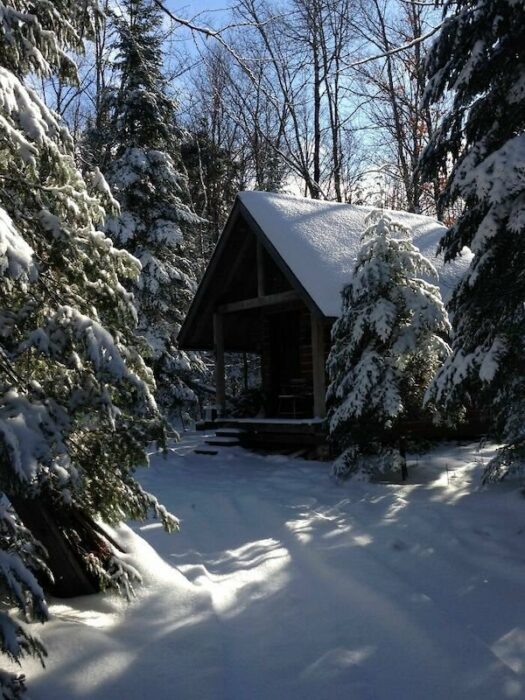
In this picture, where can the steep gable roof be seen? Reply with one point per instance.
(319, 241)
(313, 242)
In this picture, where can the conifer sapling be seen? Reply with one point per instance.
(386, 345)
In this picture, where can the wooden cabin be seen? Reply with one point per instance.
(273, 287)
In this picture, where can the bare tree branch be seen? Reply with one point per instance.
(397, 49)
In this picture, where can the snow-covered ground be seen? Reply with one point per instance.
(285, 585)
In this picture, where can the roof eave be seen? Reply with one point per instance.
(185, 329)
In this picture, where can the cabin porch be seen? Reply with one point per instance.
(249, 301)
(290, 342)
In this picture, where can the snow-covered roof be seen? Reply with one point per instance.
(313, 243)
(319, 241)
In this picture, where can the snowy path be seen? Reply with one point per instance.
(284, 585)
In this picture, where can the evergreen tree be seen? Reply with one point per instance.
(479, 57)
(386, 345)
(76, 404)
(213, 174)
(146, 180)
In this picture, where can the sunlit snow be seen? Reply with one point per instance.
(286, 585)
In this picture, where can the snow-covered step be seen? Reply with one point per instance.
(205, 451)
(229, 433)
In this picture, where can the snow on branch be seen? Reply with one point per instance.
(397, 49)
(31, 435)
(85, 337)
(16, 256)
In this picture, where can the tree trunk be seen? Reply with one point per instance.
(64, 534)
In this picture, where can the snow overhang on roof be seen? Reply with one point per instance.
(319, 242)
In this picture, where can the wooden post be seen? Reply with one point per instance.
(218, 340)
(260, 269)
(403, 453)
(245, 370)
(318, 366)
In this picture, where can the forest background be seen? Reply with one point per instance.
(283, 96)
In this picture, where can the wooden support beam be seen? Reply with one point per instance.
(260, 269)
(218, 342)
(318, 365)
(259, 302)
(245, 370)
(225, 281)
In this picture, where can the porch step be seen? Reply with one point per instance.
(220, 441)
(229, 432)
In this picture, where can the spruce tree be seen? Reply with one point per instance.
(386, 345)
(479, 60)
(76, 402)
(213, 181)
(150, 187)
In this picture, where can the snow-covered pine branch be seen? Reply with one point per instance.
(387, 342)
(76, 406)
(479, 58)
(21, 558)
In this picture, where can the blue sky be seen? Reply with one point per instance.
(210, 10)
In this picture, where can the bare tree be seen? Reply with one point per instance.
(395, 85)
(78, 103)
(309, 52)
(297, 57)
(213, 150)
